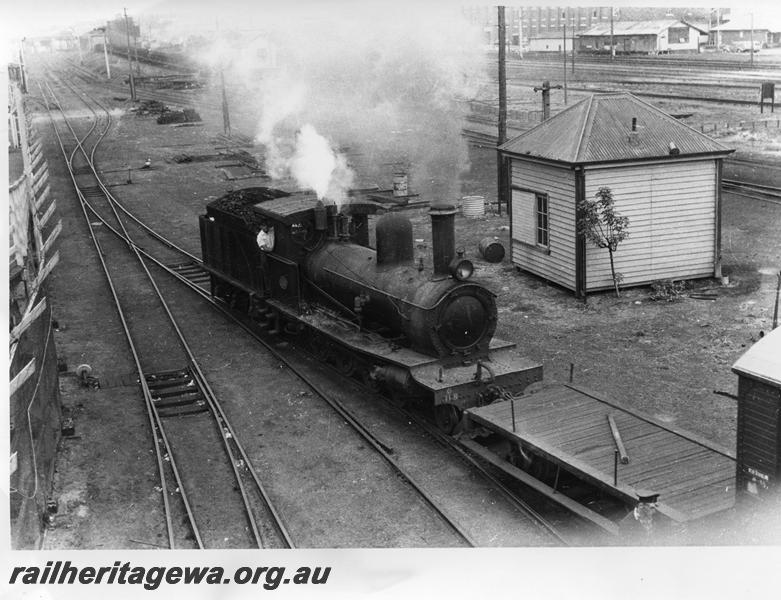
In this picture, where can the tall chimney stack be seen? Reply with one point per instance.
(443, 236)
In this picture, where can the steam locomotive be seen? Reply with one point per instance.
(416, 332)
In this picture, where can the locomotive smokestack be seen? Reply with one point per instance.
(443, 236)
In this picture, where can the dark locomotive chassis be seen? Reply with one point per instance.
(401, 353)
(399, 388)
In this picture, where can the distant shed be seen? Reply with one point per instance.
(644, 37)
(665, 177)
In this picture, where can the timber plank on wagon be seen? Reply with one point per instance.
(569, 427)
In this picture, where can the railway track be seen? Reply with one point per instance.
(189, 271)
(766, 193)
(173, 385)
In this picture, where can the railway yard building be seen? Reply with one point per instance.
(641, 36)
(665, 177)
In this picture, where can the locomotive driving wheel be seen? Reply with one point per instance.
(446, 417)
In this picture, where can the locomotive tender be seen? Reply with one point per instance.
(414, 331)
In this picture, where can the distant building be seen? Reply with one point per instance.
(703, 33)
(665, 177)
(737, 35)
(96, 39)
(645, 37)
(534, 27)
(552, 41)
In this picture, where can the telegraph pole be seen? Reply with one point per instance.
(502, 105)
(612, 47)
(130, 61)
(105, 52)
(564, 53)
(226, 119)
(573, 48)
(22, 67)
(751, 40)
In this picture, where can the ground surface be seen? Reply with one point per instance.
(664, 358)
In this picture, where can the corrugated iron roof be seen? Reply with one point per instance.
(599, 129)
(634, 27)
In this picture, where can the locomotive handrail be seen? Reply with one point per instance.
(391, 297)
(327, 295)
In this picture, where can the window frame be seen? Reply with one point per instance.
(542, 230)
(531, 210)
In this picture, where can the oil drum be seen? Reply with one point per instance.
(491, 249)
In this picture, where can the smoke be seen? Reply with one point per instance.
(386, 86)
(316, 166)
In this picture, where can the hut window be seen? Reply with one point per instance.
(678, 35)
(541, 214)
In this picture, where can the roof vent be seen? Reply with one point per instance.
(634, 135)
(674, 149)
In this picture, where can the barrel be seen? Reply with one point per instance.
(473, 206)
(491, 249)
(400, 184)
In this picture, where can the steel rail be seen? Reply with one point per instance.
(222, 422)
(521, 505)
(126, 238)
(152, 412)
(142, 376)
(210, 396)
(147, 396)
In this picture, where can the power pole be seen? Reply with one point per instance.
(564, 53)
(545, 89)
(105, 52)
(573, 48)
(751, 40)
(22, 67)
(502, 104)
(130, 61)
(718, 29)
(226, 119)
(135, 54)
(612, 46)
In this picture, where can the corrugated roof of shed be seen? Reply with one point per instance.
(633, 27)
(598, 128)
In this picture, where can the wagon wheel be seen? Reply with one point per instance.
(446, 416)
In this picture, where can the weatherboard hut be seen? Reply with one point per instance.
(665, 177)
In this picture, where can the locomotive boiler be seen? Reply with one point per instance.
(418, 328)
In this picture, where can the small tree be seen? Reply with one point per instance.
(603, 226)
